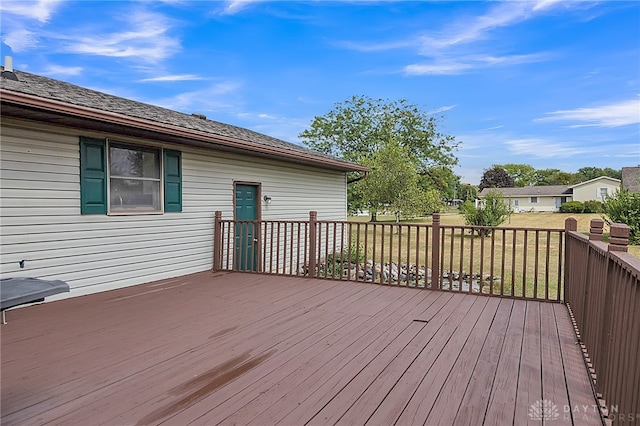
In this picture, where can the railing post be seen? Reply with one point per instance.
(618, 241)
(595, 231)
(435, 252)
(313, 217)
(619, 237)
(570, 224)
(217, 241)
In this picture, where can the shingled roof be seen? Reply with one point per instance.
(44, 99)
(631, 178)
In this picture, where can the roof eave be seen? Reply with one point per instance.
(50, 105)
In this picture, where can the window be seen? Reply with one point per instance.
(603, 193)
(137, 179)
(534, 200)
(134, 179)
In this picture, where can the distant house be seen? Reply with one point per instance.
(550, 198)
(631, 178)
(104, 192)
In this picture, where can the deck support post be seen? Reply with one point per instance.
(313, 218)
(618, 242)
(435, 252)
(595, 230)
(217, 241)
(619, 237)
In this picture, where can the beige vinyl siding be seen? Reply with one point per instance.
(591, 190)
(41, 221)
(544, 204)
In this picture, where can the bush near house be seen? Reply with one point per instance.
(493, 212)
(593, 206)
(624, 207)
(572, 207)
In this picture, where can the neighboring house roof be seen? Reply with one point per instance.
(56, 102)
(612, 180)
(631, 178)
(531, 191)
(545, 191)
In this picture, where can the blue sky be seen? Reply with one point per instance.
(553, 84)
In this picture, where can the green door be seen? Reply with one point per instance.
(246, 258)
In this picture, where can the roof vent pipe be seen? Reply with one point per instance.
(8, 63)
(8, 69)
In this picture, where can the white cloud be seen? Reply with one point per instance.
(465, 63)
(235, 6)
(267, 116)
(53, 70)
(20, 40)
(442, 109)
(144, 37)
(209, 98)
(543, 148)
(177, 77)
(612, 115)
(455, 48)
(436, 69)
(471, 30)
(40, 10)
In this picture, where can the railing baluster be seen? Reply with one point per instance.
(357, 251)
(471, 252)
(524, 265)
(536, 264)
(502, 269)
(493, 259)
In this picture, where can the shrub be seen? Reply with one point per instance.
(492, 212)
(593, 206)
(572, 207)
(624, 207)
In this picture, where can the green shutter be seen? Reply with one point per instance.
(93, 176)
(172, 181)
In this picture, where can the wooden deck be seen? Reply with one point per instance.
(233, 348)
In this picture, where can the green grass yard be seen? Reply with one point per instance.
(518, 220)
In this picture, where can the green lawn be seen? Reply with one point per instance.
(519, 220)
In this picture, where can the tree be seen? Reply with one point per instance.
(492, 212)
(554, 177)
(495, 177)
(587, 173)
(522, 174)
(467, 192)
(393, 184)
(624, 207)
(361, 126)
(442, 179)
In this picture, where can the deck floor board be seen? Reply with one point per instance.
(233, 348)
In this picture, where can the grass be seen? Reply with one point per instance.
(520, 220)
(517, 261)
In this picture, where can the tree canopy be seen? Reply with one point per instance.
(496, 177)
(399, 142)
(524, 175)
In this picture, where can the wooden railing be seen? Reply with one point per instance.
(508, 262)
(603, 297)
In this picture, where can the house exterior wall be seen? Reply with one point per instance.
(544, 204)
(591, 190)
(40, 220)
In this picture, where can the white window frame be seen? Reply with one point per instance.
(134, 211)
(533, 200)
(603, 192)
